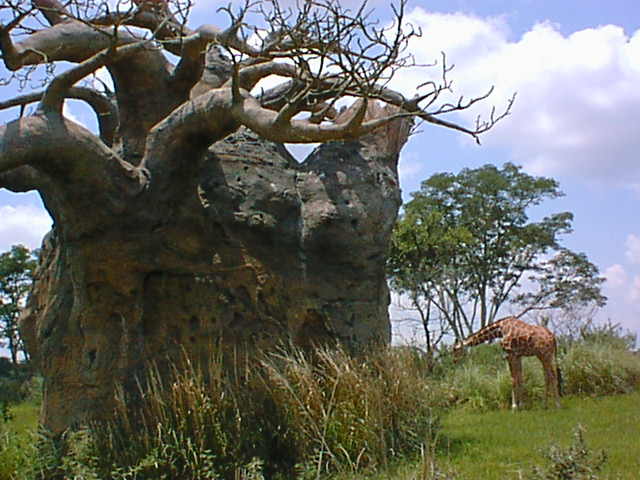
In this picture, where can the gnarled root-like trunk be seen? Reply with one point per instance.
(169, 235)
(272, 251)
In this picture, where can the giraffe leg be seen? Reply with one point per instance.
(550, 381)
(515, 366)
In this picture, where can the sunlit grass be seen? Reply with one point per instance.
(343, 417)
(504, 445)
(292, 415)
(17, 439)
(24, 418)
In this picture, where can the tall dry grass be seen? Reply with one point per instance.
(287, 415)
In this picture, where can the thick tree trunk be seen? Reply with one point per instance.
(269, 251)
(164, 245)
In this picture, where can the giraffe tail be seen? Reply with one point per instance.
(560, 380)
(558, 371)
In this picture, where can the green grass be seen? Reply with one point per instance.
(340, 417)
(24, 418)
(17, 439)
(503, 445)
(285, 417)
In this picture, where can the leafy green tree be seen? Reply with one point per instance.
(566, 281)
(464, 244)
(16, 269)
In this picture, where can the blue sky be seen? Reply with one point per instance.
(575, 66)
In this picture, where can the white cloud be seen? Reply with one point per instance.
(633, 249)
(410, 166)
(22, 224)
(634, 291)
(70, 113)
(623, 290)
(577, 95)
(616, 276)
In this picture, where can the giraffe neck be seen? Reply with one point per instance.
(486, 334)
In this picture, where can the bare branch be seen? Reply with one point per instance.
(248, 77)
(55, 94)
(21, 179)
(52, 10)
(324, 53)
(187, 133)
(9, 52)
(105, 109)
(152, 16)
(68, 153)
(81, 42)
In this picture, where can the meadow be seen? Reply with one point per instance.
(392, 414)
(507, 445)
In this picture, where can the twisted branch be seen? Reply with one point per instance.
(106, 110)
(322, 53)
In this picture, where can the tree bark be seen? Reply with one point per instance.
(186, 223)
(270, 251)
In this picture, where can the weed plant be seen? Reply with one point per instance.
(575, 462)
(353, 415)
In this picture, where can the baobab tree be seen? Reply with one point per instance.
(184, 221)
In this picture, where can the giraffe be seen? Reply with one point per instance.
(520, 339)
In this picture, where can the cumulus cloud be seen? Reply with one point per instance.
(623, 290)
(577, 96)
(634, 290)
(411, 166)
(633, 249)
(22, 224)
(616, 276)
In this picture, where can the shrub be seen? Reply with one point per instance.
(24, 388)
(601, 363)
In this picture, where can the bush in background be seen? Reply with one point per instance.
(602, 361)
(482, 381)
(19, 383)
(479, 380)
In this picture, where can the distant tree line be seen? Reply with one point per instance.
(465, 251)
(16, 276)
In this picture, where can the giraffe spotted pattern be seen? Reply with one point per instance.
(520, 339)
